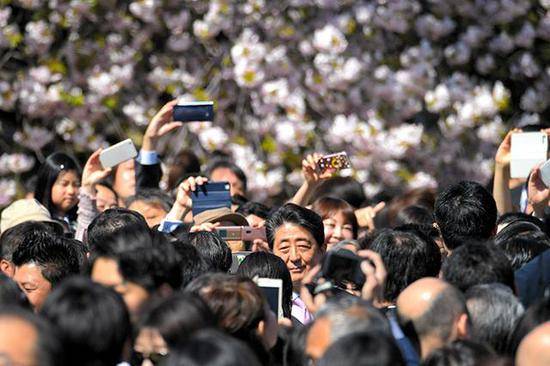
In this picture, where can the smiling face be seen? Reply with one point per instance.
(65, 191)
(298, 249)
(30, 280)
(337, 228)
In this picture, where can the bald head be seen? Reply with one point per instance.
(341, 317)
(416, 299)
(534, 350)
(436, 310)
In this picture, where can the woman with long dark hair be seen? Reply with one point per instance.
(57, 186)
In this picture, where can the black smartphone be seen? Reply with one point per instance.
(343, 266)
(210, 196)
(193, 111)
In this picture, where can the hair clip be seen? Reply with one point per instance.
(62, 167)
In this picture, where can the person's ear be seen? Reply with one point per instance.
(462, 326)
(7, 267)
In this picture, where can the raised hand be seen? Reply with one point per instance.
(537, 192)
(93, 171)
(183, 203)
(376, 274)
(310, 171)
(160, 125)
(365, 216)
(503, 155)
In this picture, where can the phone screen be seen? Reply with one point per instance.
(211, 196)
(272, 296)
(192, 112)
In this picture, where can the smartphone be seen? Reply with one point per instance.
(273, 291)
(193, 111)
(118, 153)
(336, 161)
(527, 151)
(210, 196)
(236, 259)
(343, 266)
(545, 173)
(241, 233)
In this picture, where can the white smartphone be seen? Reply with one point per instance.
(528, 150)
(118, 153)
(545, 173)
(273, 290)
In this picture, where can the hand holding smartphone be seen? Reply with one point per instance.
(528, 150)
(193, 111)
(338, 161)
(118, 153)
(210, 196)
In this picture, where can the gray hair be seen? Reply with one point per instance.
(494, 311)
(350, 315)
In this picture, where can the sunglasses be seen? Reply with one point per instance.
(155, 357)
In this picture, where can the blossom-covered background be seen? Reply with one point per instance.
(416, 91)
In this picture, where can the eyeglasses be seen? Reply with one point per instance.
(155, 358)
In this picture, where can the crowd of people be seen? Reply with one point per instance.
(110, 267)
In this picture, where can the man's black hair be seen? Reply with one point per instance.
(409, 255)
(107, 226)
(414, 214)
(57, 257)
(167, 261)
(48, 350)
(512, 217)
(234, 168)
(92, 322)
(475, 264)
(460, 352)
(268, 265)
(177, 317)
(150, 261)
(213, 348)
(494, 311)
(522, 241)
(297, 215)
(254, 208)
(192, 264)
(25, 231)
(365, 349)
(465, 211)
(213, 250)
(153, 197)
